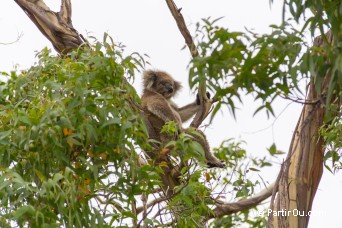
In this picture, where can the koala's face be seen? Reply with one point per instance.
(161, 83)
(165, 86)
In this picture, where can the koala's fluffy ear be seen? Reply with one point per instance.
(177, 85)
(150, 77)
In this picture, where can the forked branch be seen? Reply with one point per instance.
(205, 102)
(56, 26)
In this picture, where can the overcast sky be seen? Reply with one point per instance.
(148, 27)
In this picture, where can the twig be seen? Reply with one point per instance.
(18, 38)
(301, 101)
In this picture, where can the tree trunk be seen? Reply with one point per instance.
(302, 170)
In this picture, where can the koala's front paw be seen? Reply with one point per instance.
(198, 101)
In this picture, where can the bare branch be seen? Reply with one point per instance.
(230, 208)
(205, 102)
(302, 101)
(116, 205)
(9, 43)
(150, 204)
(161, 199)
(176, 13)
(65, 12)
(57, 27)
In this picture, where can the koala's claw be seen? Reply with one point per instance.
(216, 164)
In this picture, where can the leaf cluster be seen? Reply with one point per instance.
(332, 134)
(268, 66)
(68, 140)
(237, 63)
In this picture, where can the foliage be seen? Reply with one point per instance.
(271, 65)
(242, 219)
(236, 63)
(183, 145)
(68, 134)
(71, 136)
(333, 137)
(71, 133)
(275, 65)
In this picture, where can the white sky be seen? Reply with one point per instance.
(148, 27)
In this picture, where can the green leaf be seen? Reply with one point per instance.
(57, 177)
(254, 169)
(24, 211)
(71, 139)
(273, 150)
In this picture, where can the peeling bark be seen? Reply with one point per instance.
(56, 26)
(302, 170)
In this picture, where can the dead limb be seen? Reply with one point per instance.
(56, 26)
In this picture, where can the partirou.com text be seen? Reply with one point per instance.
(294, 212)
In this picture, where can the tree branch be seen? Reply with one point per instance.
(205, 102)
(230, 208)
(56, 26)
(65, 12)
(161, 199)
(150, 204)
(177, 15)
(12, 42)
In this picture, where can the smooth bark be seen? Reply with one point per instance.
(302, 170)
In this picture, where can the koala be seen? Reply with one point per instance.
(158, 89)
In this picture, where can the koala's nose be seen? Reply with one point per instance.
(170, 89)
